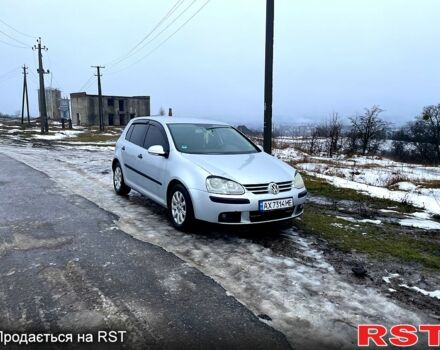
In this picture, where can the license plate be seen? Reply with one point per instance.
(275, 204)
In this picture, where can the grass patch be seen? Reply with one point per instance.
(92, 137)
(380, 241)
(429, 184)
(320, 187)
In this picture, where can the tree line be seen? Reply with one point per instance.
(417, 141)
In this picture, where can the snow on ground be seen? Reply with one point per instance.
(387, 279)
(429, 201)
(307, 300)
(57, 135)
(85, 143)
(420, 223)
(374, 176)
(432, 294)
(367, 221)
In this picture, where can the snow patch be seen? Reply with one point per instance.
(418, 223)
(406, 186)
(366, 221)
(433, 294)
(389, 277)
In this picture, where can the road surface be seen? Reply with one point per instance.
(65, 267)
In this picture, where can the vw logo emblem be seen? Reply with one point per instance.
(273, 188)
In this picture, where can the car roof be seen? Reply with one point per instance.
(178, 120)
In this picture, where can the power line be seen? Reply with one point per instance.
(86, 83)
(158, 34)
(18, 41)
(176, 5)
(7, 79)
(13, 45)
(164, 41)
(9, 72)
(33, 77)
(16, 30)
(52, 76)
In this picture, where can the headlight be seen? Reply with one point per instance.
(220, 185)
(299, 182)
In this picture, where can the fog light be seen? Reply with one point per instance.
(230, 217)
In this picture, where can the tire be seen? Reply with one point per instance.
(118, 181)
(180, 208)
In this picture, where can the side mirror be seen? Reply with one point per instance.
(260, 147)
(157, 150)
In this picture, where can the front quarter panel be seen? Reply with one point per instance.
(186, 172)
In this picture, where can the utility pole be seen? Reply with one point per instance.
(25, 97)
(101, 112)
(42, 94)
(268, 77)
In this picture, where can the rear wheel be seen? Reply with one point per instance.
(118, 181)
(180, 208)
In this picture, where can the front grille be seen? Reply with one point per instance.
(263, 188)
(258, 216)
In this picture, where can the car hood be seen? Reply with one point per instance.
(251, 168)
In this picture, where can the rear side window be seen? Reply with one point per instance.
(155, 137)
(138, 133)
(128, 134)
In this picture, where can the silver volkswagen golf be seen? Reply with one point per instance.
(205, 170)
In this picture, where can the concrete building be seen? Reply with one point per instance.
(118, 110)
(53, 97)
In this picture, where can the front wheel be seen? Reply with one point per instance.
(180, 208)
(118, 181)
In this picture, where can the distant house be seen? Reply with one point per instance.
(118, 110)
(53, 97)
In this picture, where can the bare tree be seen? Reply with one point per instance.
(334, 130)
(326, 136)
(368, 130)
(431, 116)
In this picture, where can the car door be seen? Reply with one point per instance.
(154, 166)
(132, 155)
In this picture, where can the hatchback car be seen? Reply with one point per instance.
(205, 170)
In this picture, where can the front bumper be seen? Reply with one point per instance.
(244, 209)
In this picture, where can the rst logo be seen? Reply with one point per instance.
(402, 335)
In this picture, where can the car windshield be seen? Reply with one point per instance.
(210, 139)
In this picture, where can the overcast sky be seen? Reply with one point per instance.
(339, 55)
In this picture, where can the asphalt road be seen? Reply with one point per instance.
(65, 267)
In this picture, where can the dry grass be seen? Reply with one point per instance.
(395, 179)
(429, 184)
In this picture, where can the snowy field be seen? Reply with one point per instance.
(377, 177)
(304, 296)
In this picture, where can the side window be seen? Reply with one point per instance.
(128, 134)
(138, 134)
(155, 137)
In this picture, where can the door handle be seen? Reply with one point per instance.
(123, 148)
(140, 156)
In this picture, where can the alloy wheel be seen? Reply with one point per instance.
(117, 178)
(178, 208)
